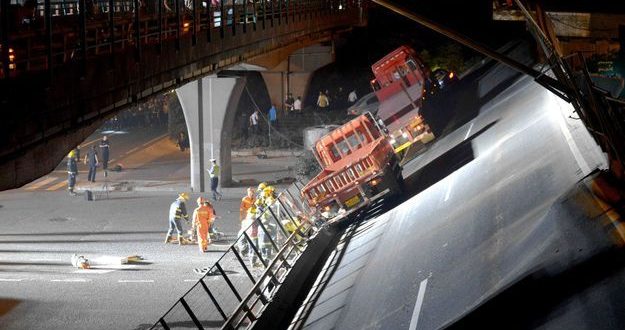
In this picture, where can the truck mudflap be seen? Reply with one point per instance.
(366, 202)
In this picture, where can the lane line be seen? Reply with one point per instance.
(154, 140)
(449, 186)
(135, 281)
(38, 185)
(579, 158)
(11, 279)
(468, 132)
(417, 307)
(131, 150)
(191, 280)
(72, 280)
(57, 186)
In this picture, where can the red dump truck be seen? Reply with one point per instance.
(358, 164)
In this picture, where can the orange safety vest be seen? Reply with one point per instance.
(246, 203)
(203, 216)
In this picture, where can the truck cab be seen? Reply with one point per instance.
(357, 163)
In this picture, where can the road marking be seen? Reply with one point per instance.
(449, 186)
(154, 140)
(192, 280)
(417, 306)
(571, 142)
(57, 186)
(11, 279)
(468, 132)
(39, 184)
(72, 280)
(135, 281)
(132, 150)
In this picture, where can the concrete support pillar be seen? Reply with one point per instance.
(293, 74)
(209, 105)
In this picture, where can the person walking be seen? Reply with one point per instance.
(253, 123)
(203, 217)
(323, 103)
(246, 203)
(104, 151)
(297, 105)
(273, 116)
(213, 172)
(177, 212)
(91, 160)
(288, 103)
(352, 97)
(72, 172)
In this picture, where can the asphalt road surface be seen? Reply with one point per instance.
(496, 211)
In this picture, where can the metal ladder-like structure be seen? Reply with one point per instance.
(263, 254)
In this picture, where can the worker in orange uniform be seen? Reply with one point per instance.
(246, 203)
(203, 217)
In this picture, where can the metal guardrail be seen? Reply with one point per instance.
(55, 32)
(241, 283)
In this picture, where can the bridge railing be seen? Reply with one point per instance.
(57, 31)
(235, 290)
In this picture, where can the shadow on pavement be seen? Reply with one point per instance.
(536, 298)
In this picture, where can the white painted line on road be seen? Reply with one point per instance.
(191, 280)
(132, 150)
(449, 186)
(72, 280)
(57, 186)
(571, 142)
(11, 279)
(135, 281)
(468, 132)
(93, 271)
(39, 184)
(417, 307)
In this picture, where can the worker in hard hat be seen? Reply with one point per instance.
(72, 172)
(177, 213)
(265, 236)
(249, 225)
(246, 203)
(203, 217)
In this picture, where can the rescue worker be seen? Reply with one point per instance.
(203, 217)
(91, 160)
(250, 227)
(265, 237)
(104, 151)
(72, 172)
(177, 212)
(246, 203)
(213, 171)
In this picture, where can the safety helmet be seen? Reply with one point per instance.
(200, 200)
(262, 186)
(72, 154)
(184, 196)
(252, 210)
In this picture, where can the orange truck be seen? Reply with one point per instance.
(358, 165)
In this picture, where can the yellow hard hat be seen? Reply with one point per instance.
(184, 196)
(262, 186)
(72, 154)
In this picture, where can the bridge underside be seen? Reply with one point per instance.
(46, 113)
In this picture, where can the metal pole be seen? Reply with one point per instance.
(83, 36)
(160, 26)
(539, 77)
(178, 23)
(4, 30)
(137, 31)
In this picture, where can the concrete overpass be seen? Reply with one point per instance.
(65, 70)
